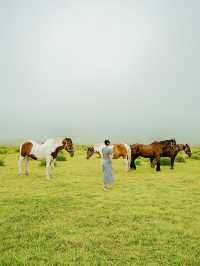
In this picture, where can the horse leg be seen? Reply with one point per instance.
(172, 162)
(48, 164)
(127, 157)
(126, 163)
(21, 158)
(132, 165)
(158, 163)
(152, 162)
(26, 165)
(53, 163)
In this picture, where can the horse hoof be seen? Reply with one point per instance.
(26, 174)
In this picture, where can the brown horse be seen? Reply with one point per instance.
(118, 151)
(46, 151)
(153, 150)
(172, 153)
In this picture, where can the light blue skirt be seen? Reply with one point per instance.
(107, 170)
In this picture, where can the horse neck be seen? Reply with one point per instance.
(98, 147)
(180, 147)
(53, 144)
(164, 145)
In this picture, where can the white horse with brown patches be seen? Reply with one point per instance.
(46, 151)
(118, 150)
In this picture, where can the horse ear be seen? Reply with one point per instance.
(64, 142)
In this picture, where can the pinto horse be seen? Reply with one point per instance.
(172, 153)
(118, 150)
(46, 151)
(153, 150)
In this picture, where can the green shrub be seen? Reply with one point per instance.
(17, 149)
(61, 158)
(42, 163)
(180, 159)
(137, 162)
(80, 147)
(3, 147)
(165, 161)
(2, 162)
(3, 151)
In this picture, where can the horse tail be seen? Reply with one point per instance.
(20, 148)
(128, 148)
(129, 156)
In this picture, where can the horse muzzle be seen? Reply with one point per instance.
(71, 153)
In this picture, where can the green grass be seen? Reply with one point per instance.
(146, 218)
(196, 153)
(196, 156)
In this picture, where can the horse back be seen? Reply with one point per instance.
(144, 150)
(119, 150)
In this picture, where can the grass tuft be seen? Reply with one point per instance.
(2, 162)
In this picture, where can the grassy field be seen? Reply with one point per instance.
(147, 218)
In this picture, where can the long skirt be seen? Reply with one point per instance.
(107, 170)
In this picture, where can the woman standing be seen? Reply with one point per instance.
(107, 164)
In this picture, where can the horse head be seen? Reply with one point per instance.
(187, 150)
(90, 152)
(173, 141)
(68, 146)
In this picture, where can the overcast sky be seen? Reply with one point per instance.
(126, 70)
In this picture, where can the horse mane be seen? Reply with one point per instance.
(167, 142)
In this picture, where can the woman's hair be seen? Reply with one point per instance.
(107, 142)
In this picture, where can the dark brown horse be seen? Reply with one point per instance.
(172, 153)
(152, 151)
